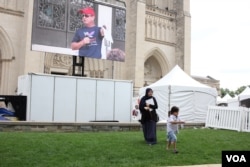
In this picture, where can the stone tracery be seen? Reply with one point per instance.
(159, 26)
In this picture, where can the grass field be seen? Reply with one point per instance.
(196, 146)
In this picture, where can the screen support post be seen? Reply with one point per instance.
(78, 62)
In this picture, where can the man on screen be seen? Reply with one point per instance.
(88, 40)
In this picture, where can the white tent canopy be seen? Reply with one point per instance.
(233, 102)
(179, 89)
(218, 100)
(225, 99)
(245, 94)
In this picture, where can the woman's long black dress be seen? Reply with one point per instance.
(149, 119)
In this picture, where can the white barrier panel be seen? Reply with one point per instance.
(228, 118)
(224, 118)
(246, 120)
(55, 98)
(64, 100)
(41, 98)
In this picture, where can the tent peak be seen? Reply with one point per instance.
(177, 77)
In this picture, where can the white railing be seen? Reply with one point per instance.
(246, 120)
(228, 118)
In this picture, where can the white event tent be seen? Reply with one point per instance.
(226, 97)
(233, 102)
(223, 100)
(219, 100)
(245, 94)
(178, 89)
(244, 98)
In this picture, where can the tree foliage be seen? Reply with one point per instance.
(232, 93)
(226, 91)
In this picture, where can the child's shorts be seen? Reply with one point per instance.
(171, 136)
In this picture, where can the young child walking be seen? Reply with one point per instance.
(172, 128)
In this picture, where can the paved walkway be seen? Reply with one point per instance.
(208, 165)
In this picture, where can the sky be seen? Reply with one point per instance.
(220, 41)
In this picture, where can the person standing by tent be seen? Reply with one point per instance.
(148, 106)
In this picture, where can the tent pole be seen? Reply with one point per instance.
(169, 93)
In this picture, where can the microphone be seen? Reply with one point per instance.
(87, 45)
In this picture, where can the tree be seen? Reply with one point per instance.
(240, 89)
(225, 91)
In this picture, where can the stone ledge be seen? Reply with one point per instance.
(78, 127)
(11, 12)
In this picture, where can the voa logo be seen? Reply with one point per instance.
(236, 158)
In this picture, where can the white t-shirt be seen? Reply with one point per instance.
(170, 126)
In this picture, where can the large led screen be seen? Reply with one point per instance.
(94, 29)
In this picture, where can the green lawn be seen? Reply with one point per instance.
(196, 146)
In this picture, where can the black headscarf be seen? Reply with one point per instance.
(146, 94)
(146, 116)
(144, 98)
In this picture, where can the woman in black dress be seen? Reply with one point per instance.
(148, 106)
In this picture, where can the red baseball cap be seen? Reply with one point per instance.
(87, 10)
